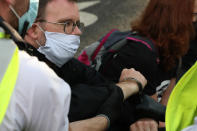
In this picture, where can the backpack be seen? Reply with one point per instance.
(112, 42)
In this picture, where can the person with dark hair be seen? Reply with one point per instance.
(32, 96)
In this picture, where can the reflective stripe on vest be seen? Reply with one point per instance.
(2, 35)
(9, 66)
(182, 104)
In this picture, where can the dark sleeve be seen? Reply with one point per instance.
(132, 55)
(87, 99)
(75, 72)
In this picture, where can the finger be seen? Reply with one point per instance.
(133, 127)
(147, 129)
(146, 126)
(125, 69)
(154, 126)
(140, 126)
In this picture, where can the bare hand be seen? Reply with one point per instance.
(132, 73)
(144, 125)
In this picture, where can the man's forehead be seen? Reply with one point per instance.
(59, 10)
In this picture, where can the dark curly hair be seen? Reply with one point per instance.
(169, 24)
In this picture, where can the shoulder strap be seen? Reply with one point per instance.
(116, 40)
(143, 40)
(134, 37)
(101, 44)
(118, 45)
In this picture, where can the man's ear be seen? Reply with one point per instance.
(32, 35)
(33, 32)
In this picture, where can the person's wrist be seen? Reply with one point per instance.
(128, 88)
(139, 84)
(107, 118)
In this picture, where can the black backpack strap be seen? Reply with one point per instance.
(118, 45)
(132, 36)
(115, 37)
(143, 40)
(101, 44)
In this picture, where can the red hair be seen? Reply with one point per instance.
(169, 24)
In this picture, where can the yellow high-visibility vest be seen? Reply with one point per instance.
(182, 104)
(9, 66)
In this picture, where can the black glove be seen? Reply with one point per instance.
(149, 108)
(113, 105)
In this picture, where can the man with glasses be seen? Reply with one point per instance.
(56, 32)
(56, 37)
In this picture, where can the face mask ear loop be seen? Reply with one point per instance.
(37, 42)
(40, 27)
(13, 10)
(25, 25)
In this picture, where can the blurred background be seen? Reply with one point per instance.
(100, 16)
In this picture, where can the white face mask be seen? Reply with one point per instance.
(59, 48)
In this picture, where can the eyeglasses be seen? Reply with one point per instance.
(69, 25)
